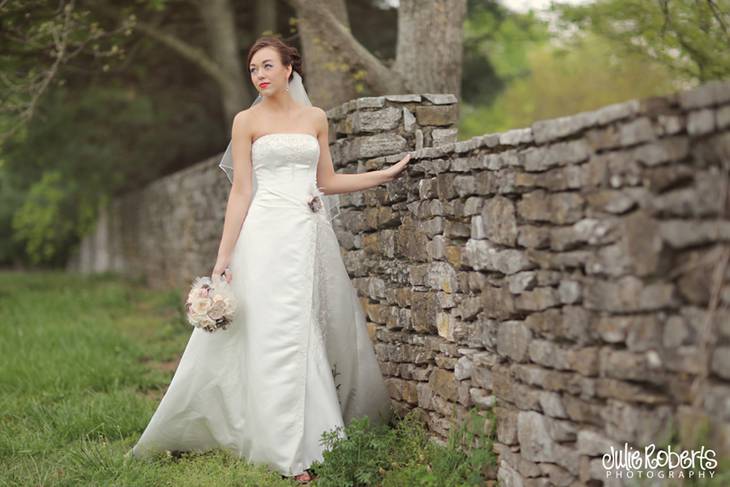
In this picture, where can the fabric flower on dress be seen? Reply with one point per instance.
(315, 199)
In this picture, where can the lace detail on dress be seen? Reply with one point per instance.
(322, 319)
(291, 151)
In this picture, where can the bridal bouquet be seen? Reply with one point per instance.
(210, 305)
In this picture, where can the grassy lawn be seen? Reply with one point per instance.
(84, 361)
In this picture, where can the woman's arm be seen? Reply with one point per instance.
(331, 182)
(239, 199)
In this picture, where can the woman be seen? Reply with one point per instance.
(297, 361)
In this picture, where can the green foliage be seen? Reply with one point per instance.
(358, 460)
(468, 451)
(601, 52)
(690, 37)
(363, 454)
(504, 38)
(89, 114)
(496, 47)
(11, 198)
(59, 186)
(45, 220)
(563, 81)
(38, 42)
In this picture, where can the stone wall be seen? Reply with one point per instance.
(571, 276)
(561, 274)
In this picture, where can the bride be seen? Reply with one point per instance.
(297, 361)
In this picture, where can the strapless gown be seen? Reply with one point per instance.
(297, 360)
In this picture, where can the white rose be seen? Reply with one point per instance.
(206, 321)
(201, 305)
(217, 310)
(230, 305)
(195, 319)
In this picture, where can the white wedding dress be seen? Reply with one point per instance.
(297, 360)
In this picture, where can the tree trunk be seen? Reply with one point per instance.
(329, 76)
(265, 16)
(429, 54)
(430, 45)
(219, 21)
(328, 30)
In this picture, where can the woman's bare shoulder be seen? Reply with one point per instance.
(319, 116)
(241, 126)
(317, 111)
(245, 113)
(243, 116)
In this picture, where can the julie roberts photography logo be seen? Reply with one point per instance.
(653, 463)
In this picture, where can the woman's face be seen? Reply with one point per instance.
(268, 74)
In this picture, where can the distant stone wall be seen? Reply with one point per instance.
(571, 276)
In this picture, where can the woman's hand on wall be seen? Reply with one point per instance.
(395, 170)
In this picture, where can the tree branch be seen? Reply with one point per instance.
(187, 51)
(718, 15)
(38, 88)
(378, 76)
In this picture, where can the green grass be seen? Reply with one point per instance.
(84, 361)
(83, 364)
(404, 456)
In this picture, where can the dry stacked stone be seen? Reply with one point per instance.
(560, 275)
